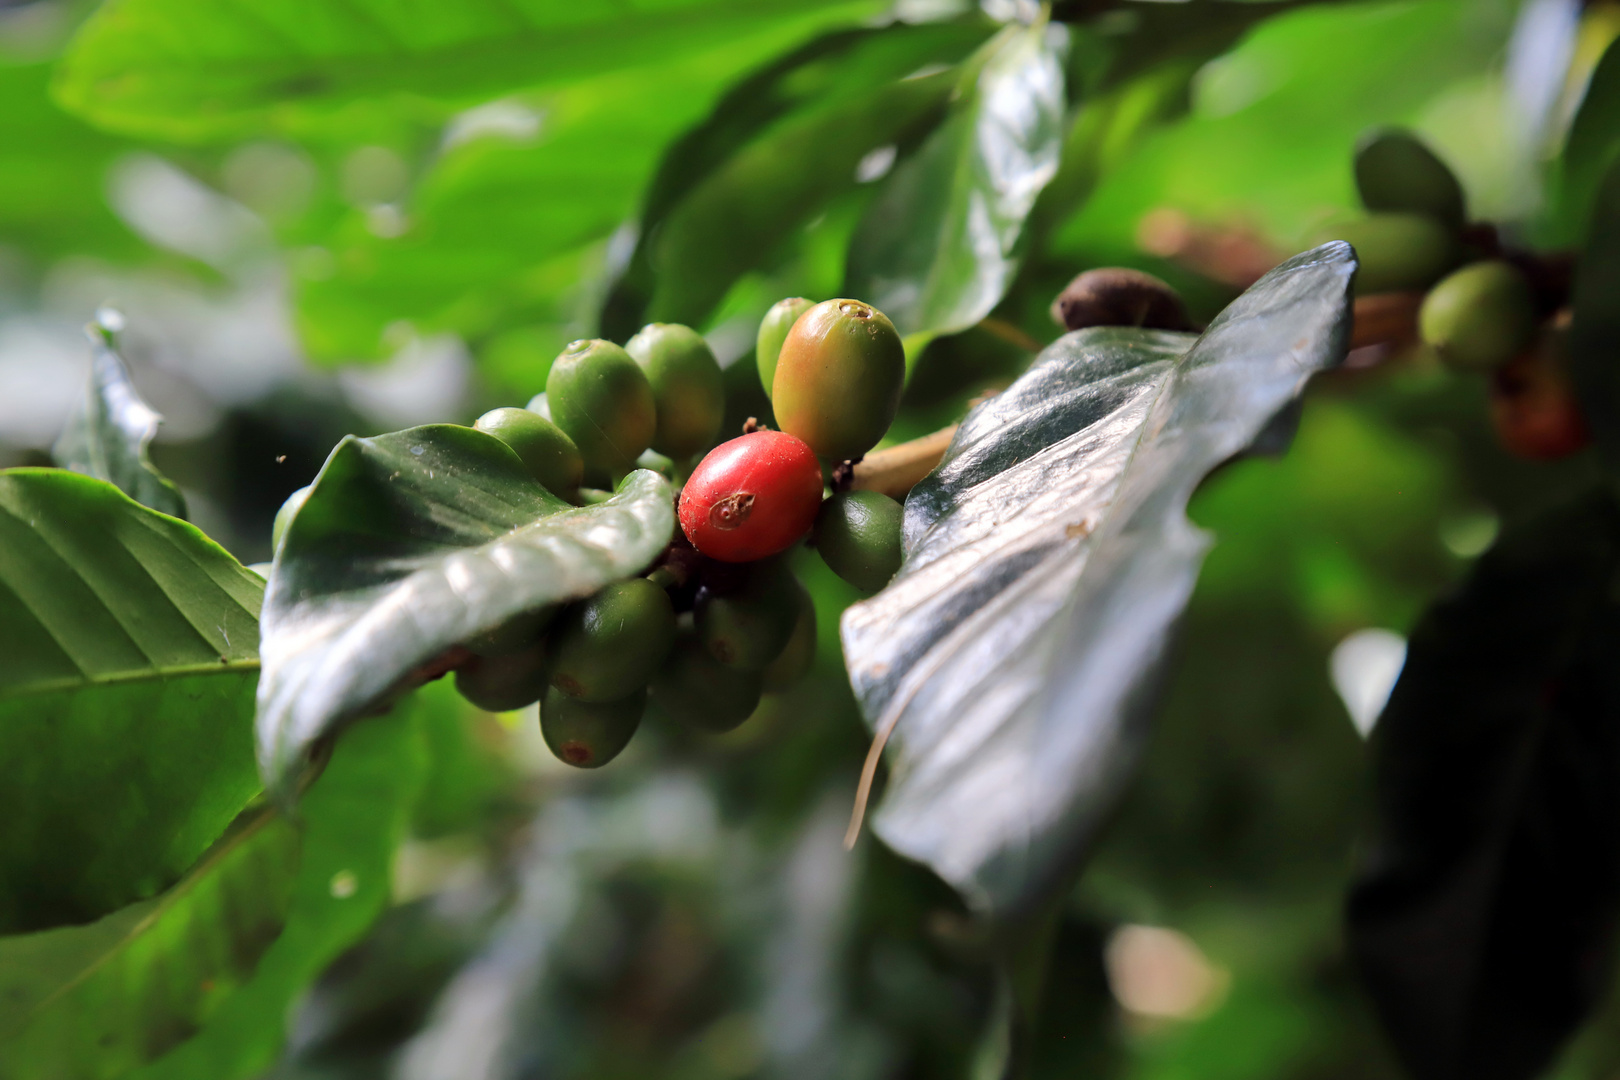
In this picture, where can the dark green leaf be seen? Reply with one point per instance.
(1484, 916)
(937, 247)
(128, 656)
(243, 66)
(1592, 146)
(410, 544)
(99, 1000)
(1594, 332)
(774, 152)
(351, 823)
(107, 436)
(1048, 559)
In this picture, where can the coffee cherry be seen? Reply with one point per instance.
(284, 516)
(610, 645)
(1396, 172)
(547, 451)
(686, 385)
(858, 536)
(838, 378)
(1396, 252)
(588, 735)
(1533, 405)
(1480, 317)
(700, 691)
(599, 396)
(773, 330)
(503, 683)
(1118, 296)
(751, 497)
(799, 654)
(520, 632)
(749, 628)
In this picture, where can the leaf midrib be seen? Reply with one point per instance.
(56, 686)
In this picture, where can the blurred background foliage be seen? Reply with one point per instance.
(305, 249)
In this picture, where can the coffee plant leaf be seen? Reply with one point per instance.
(350, 826)
(409, 545)
(1484, 912)
(504, 225)
(244, 68)
(108, 434)
(776, 150)
(102, 999)
(1594, 331)
(128, 658)
(1047, 562)
(938, 246)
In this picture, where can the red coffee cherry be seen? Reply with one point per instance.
(751, 497)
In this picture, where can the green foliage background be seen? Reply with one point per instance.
(519, 175)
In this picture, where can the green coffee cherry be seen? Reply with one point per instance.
(588, 735)
(686, 384)
(1396, 252)
(285, 515)
(600, 397)
(700, 691)
(610, 645)
(838, 378)
(1396, 172)
(1479, 317)
(773, 330)
(520, 632)
(748, 629)
(547, 451)
(800, 652)
(653, 461)
(858, 535)
(503, 683)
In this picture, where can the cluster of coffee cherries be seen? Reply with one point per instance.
(719, 619)
(1487, 309)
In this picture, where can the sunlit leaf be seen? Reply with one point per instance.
(107, 436)
(99, 1000)
(938, 246)
(1048, 559)
(128, 656)
(1485, 913)
(242, 66)
(412, 543)
(506, 228)
(53, 175)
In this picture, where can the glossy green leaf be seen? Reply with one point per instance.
(351, 823)
(1594, 331)
(938, 247)
(1047, 561)
(1484, 917)
(107, 436)
(128, 656)
(776, 149)
(410, 544)
(506, 230)
(190, 69)
(95, 1001)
